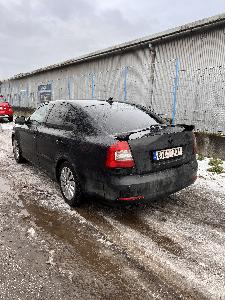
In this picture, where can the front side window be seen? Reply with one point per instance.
(40, 114)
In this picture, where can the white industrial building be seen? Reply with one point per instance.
(179, 72)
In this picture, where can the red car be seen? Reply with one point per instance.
(6, 111)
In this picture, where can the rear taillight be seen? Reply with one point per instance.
(119, 156)
(194, 144)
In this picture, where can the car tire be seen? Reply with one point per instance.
(10, 119)
(17, 152)
(70, 184)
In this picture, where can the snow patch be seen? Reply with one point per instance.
(208, 179)
(6, 126)
(31, 232)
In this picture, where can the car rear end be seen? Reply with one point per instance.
(155, 166)
(6, 111)
(146, 159)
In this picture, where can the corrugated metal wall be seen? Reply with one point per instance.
(201, 91)
(145, 76)
(123, 77)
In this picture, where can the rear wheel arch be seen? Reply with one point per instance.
(61, 160)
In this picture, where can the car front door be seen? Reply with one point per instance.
(28, 133)
(52, 140)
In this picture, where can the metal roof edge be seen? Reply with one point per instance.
(207, 22)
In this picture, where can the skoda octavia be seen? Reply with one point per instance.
(113, 150)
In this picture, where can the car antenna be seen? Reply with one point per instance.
(110, 100)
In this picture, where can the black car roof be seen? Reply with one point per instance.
(85, 103)
(92, 102)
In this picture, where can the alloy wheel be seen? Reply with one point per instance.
(67, 182)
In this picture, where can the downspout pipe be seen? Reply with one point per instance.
(152, 73)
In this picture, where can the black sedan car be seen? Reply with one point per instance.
(113, 150)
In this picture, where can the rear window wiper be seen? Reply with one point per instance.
(151, 129)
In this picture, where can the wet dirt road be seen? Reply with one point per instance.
(172, 248)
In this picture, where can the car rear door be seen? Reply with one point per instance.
(53, 136)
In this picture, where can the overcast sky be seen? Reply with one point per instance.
(35, 33)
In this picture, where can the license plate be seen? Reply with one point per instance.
(167, 153)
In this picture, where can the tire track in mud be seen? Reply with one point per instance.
(133, 255)
(86, 244)
(94, 239)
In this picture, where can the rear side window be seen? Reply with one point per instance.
(120, 117)
(79, 120)
(57, 115)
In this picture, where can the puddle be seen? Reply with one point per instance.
(4, 185)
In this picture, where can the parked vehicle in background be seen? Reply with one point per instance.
(6, 111)
(114, 150)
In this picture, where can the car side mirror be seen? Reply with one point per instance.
(20, 120)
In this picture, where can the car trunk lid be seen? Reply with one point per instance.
(144, 143)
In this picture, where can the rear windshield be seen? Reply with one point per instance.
(120, 117)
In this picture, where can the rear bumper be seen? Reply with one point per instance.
(151, 186)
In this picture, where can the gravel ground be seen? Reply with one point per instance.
(172, 248)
